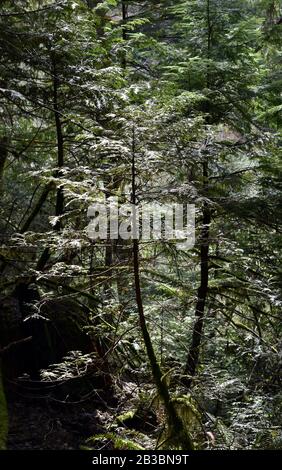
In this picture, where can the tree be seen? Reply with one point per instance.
(175, 103)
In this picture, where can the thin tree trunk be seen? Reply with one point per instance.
(194, 351)
(108, 251)
(124, 7)
(41, 201)
(38, 206)
(60, 146)
(3, 157)
(3, 403)
(60, 163)
(174, 421)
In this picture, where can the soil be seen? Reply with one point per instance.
(45, 422)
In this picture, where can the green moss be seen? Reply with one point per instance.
(126, 444)
(119, 443)
(187, 409)
(125, 417)
(3, 416)
(191, 432)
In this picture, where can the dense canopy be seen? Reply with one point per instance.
(128, 342)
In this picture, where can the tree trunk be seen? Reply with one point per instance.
(60, 163)
(60, 145)
(194, 352)
(3, 157)
(175, 423)
(3, 403)
(124, 7)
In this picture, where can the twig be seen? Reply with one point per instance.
(13, 344)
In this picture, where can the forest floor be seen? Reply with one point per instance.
(40, 420)
(38, 424)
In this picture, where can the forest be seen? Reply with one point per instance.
(122, 329)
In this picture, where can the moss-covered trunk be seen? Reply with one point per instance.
(177, 432)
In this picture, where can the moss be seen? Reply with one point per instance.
(126, 417)
(118, 442)
(126, 444)
(188, 413)
(3, 416)
(187, 409)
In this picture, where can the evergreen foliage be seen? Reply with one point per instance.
(174, 102)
